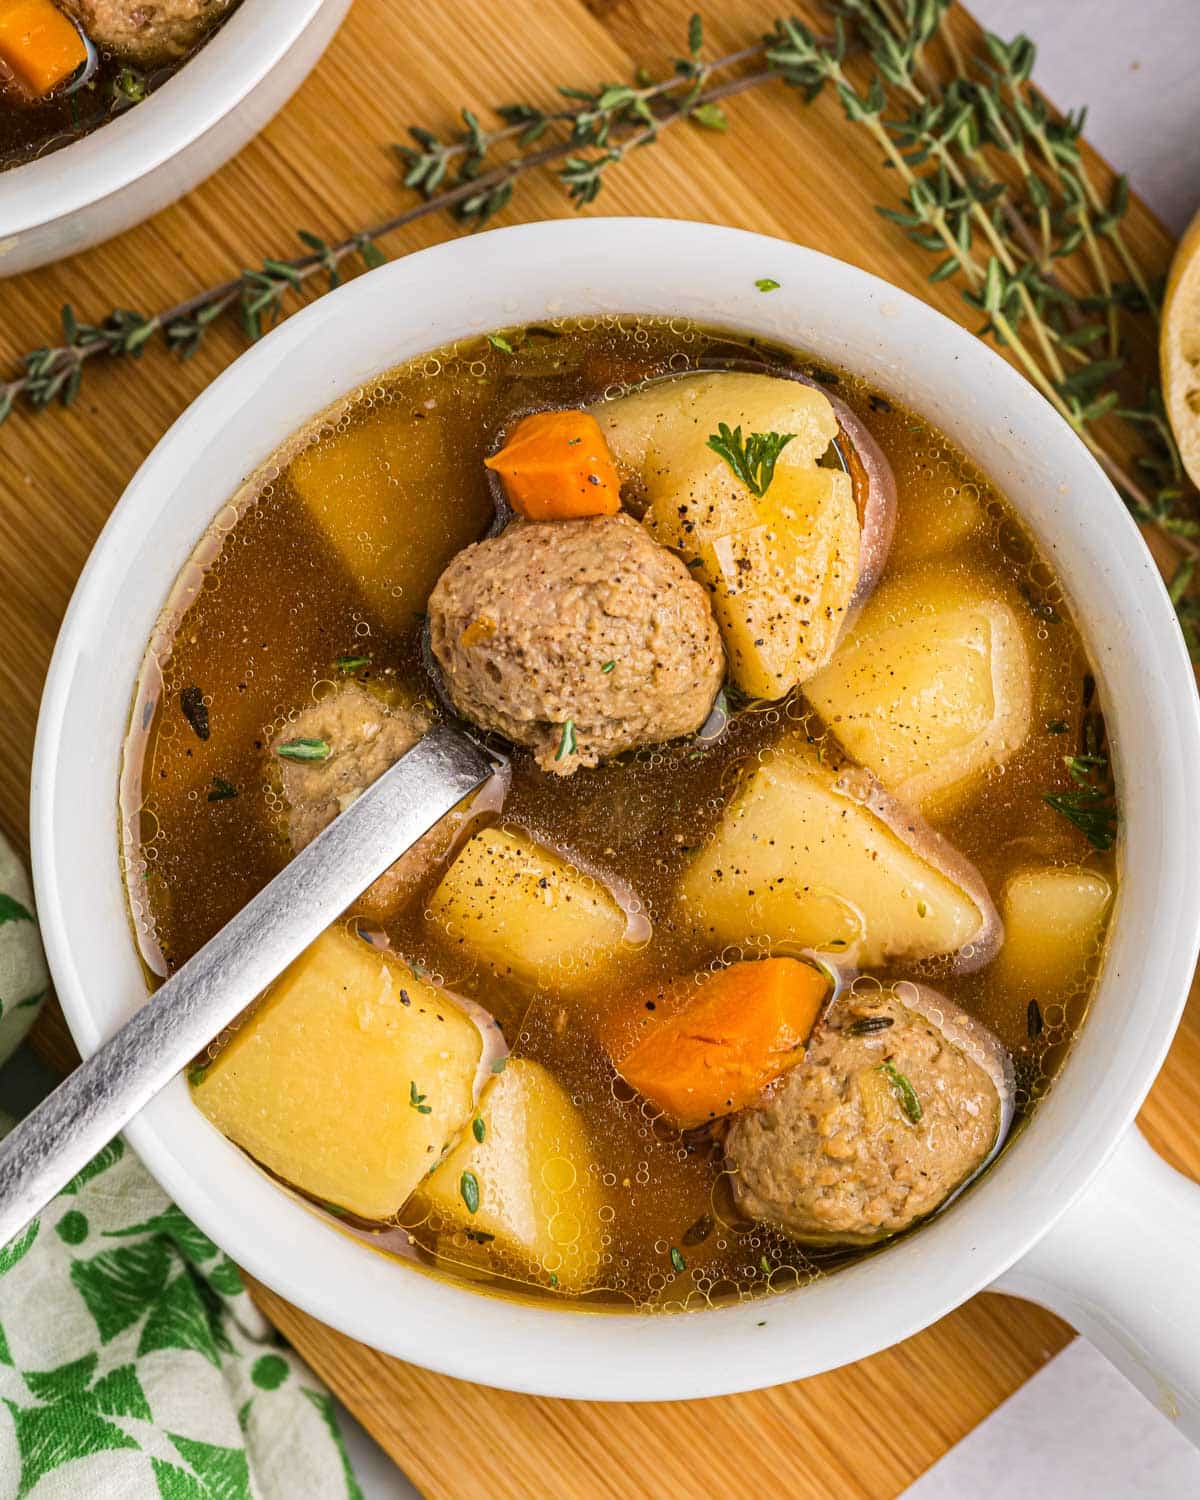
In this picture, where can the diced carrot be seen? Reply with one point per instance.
(745, 1027)
(556, 465)
(39, 44)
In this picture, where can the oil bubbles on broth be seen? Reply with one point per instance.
(317, 575)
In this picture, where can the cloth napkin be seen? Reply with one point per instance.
(133, 1366)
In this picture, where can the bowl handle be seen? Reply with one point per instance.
(1122, 1266)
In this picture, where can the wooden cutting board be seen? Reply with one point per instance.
(324, 165)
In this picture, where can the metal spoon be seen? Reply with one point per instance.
(41, 1155)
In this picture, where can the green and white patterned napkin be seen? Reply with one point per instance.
(133, 1366)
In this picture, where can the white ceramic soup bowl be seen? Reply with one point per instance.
(1078, 1213)
(153, 153)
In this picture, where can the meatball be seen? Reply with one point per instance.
(579, 639)
(366, 736)
(147, 32)
(901, 1098)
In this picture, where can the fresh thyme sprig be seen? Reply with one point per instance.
(753, 458)
(995, 185)
(462, 176)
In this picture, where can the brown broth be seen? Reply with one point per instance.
(270, 602)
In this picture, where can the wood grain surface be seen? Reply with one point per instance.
(325, 165)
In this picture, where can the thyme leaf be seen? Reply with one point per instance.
(567, 743)
(1090, 806)
(753, 458)
(303, 749)
(904, 1091)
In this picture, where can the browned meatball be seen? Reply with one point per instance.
(580, 639)
(366, 736)
(901, 1098)
(147, 32)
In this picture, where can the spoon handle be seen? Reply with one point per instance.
(41, 1155)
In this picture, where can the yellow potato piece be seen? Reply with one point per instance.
(537, 1178)
(659, 438)
(367, 489)
(781, 588)
(931, 687)
(1053, 921)
(796, 859)
(528, 913)
(319, 1083)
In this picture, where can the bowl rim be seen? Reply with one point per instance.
(882, 1299)
(129, 147)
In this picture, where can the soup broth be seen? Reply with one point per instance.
(319, 572)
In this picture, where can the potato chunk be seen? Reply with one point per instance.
(1053, 920)
(931, 688)
(320, 1083)
(526, 912)
(781, 587)
(659, 438)
(809, 855)
(361, 487)
(782, 568)
(534, 1177)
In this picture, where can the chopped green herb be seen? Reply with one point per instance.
(130, 85)
(753, 458)
(571, 442)
(415, 969)
(498, 341)
(696, 562)
(677, 1259)
(904, 1091)
(500, 1064)
(767, 284)
(468, 1186)
(566, 745)
(478, 1129)
(1091, 807)
(222, 790)
(1057, 726)
(764, 1265)
(303, 749)
(608, 666)
(553, 1278)
(351, 663)
(195, 1076)
(334, 1209)
(418, 1101)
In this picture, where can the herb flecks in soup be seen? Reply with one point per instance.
(793, 895)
